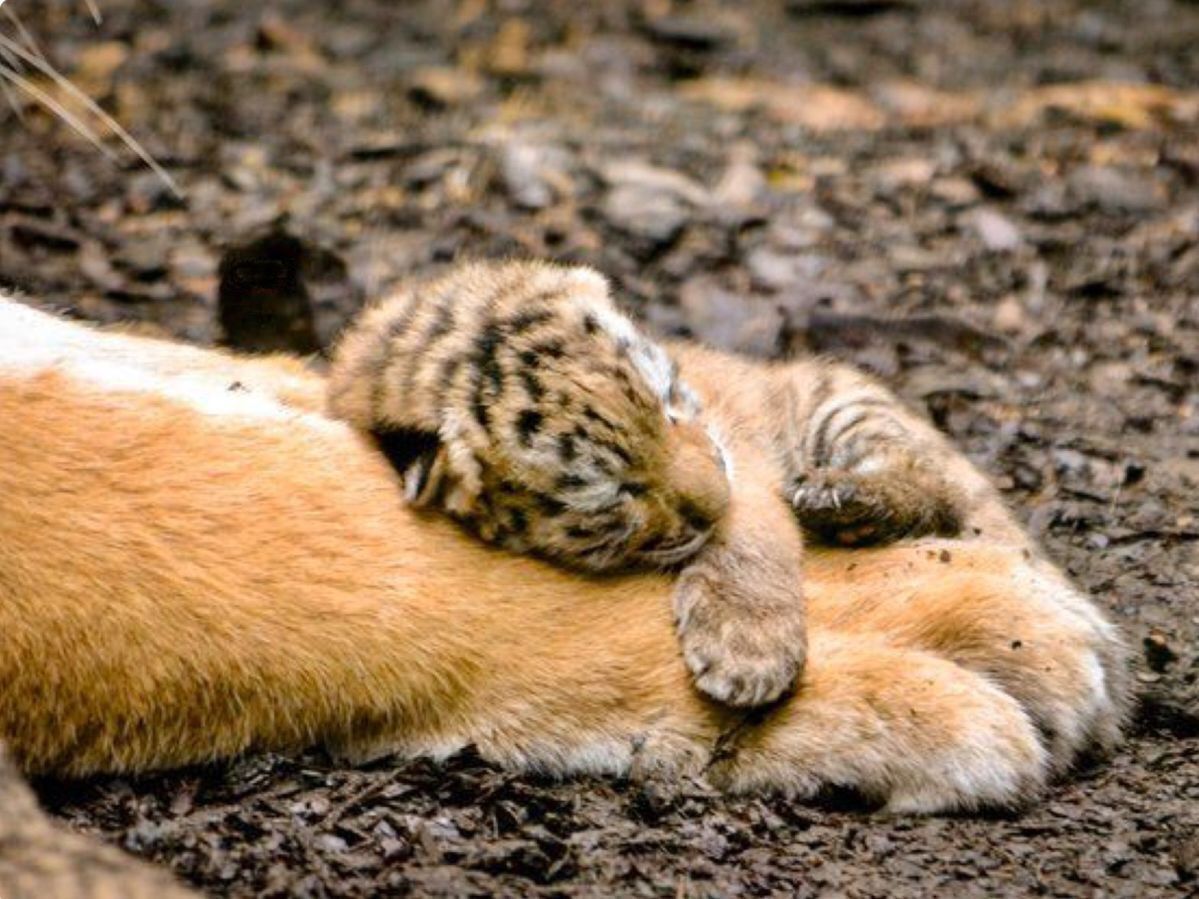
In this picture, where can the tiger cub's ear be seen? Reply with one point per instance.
(437, 474)
(418, 458)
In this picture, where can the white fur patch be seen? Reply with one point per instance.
(722, 450)
(647, 357)
(34, 343)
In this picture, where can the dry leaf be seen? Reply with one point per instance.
(1134, 106)
(96, 66)
(917, 105)
(818, 107)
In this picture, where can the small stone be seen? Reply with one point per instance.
(1009, 315)
(741, 186)
(955, 192)
(191, 259)
(895, 174)
(997, 232)
(95, 262)
(328, 842)
(1114, 191)
(652, 214)
(529, 173)
(775, 271)
(638, 173)
(145, 258)
(907, 258)
(728, 321)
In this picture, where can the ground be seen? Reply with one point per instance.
(992, 204)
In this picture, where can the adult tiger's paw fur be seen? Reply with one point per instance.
(904, 729)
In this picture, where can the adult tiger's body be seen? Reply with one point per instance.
(195, 562)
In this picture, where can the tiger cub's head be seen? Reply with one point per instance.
(598, 455)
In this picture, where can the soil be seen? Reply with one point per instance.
(995, 205)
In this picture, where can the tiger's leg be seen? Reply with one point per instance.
(739, 604)
(903, 727)
(1000, 612)
(860, 468)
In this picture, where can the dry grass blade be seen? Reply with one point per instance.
(5, 57)
(94, 9)
(80, 127)
(22, 31)
(11, 99)
(79, 96)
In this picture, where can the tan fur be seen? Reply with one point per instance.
(515, 397)
(188, 572)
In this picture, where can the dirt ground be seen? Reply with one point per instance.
(993, 204)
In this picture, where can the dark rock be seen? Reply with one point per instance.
(1159, 654)
(33, 233)
(272, 289)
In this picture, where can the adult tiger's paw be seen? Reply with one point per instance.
(906, 730)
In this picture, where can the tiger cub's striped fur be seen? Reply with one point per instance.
(516, 398)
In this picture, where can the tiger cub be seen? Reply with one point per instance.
(517, 399)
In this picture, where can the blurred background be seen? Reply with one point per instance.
(992, 203)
